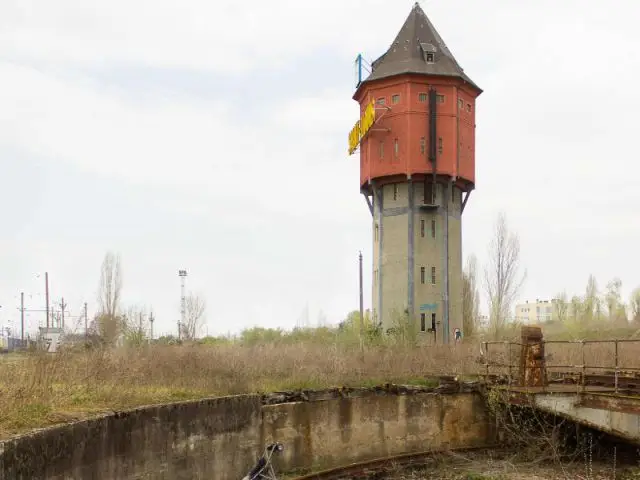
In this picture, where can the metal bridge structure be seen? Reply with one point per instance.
(595, 383)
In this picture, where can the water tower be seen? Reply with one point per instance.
(416, 137)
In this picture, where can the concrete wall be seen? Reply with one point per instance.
(190, 440)
(337, 432)
(221, 438)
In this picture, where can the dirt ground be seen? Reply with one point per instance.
(503, 467)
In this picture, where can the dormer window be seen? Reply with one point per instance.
(429, 52)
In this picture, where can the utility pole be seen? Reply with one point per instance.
(361, 301)
(151, 319)
(22, 319)
(361, 294)
(86, 322)
(46, 292)
(62, 307)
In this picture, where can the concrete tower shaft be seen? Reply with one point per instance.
(417, 169)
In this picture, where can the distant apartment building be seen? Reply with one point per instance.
(535, 312)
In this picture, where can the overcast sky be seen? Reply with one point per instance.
(212, 135)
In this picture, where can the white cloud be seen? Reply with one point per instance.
(556, 126)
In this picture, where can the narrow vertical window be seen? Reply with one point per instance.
(423, 145)
(433, 275)
(460, 103)
(439, 144)
(433, 229)
(395, 98)
(423, 322)
(429, 196)
(422, 228)
(382, 149)
(395, 191)
(421, 274)
(396, 149)
(433, 322)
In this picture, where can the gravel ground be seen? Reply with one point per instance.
(487, 466)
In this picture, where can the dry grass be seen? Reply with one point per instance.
(42, 389)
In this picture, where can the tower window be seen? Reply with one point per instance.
(433, 275)
(422, 228)
(395, 191)
(430, 57)
(395, 98)
(396, 149)
(440, 145)
(460, 103)
(440, 98)
(433, 229)
(468, 107)
(423, 145)
(433, 322)
(381, 149)
(422, 273)
(422, 97)
(380, 101)
(423, 322)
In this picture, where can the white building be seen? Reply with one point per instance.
(535, 312)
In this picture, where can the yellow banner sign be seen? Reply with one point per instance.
(361, 127)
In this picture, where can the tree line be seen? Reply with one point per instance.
(502, 281)
(116, 323)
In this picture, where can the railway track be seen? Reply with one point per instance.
(386, 464)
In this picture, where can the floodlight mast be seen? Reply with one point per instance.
(182, 274)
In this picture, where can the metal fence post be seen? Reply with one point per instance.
(508, 344)
(584, 371)
(616, 366)
(486, 361)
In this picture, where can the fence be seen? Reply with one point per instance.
(12, 344)
(575, 363)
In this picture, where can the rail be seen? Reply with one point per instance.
(580, 369)
(366, 468)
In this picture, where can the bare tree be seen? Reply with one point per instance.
(615, 306)
(195, 307)
(591, 304)
(135, 326)
(634, 306)
(470, 297)
(502, 280)
(108, 320)
(561, 307)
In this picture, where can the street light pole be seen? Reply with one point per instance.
(22, 319)
(46, 291)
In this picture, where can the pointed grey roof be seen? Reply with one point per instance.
(418, 48)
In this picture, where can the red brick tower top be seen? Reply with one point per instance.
(424, 111)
